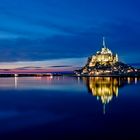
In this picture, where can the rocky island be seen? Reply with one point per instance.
(106, 63)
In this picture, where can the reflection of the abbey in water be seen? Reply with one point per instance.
(105, 88)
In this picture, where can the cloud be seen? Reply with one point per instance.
(29, 67)
(61, 66)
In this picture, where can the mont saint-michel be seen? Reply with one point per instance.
(106, 63)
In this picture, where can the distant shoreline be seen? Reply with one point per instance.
(71, 74)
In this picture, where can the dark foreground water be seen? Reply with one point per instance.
(69, 108)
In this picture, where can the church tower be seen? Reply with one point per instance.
(104, 44)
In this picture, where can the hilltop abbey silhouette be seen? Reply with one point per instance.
(106, 63)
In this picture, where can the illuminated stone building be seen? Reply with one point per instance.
(106, 63)
(103, 57)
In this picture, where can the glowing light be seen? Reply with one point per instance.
(16, 82)
(128, 80)
(136, 80)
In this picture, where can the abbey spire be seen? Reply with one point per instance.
(104, 44)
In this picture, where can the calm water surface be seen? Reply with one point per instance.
(69, 108)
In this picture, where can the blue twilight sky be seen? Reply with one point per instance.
(66, 32)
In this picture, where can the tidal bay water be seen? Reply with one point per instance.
(69, 108)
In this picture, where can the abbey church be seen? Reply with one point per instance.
(105, 63)
(103, 57)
